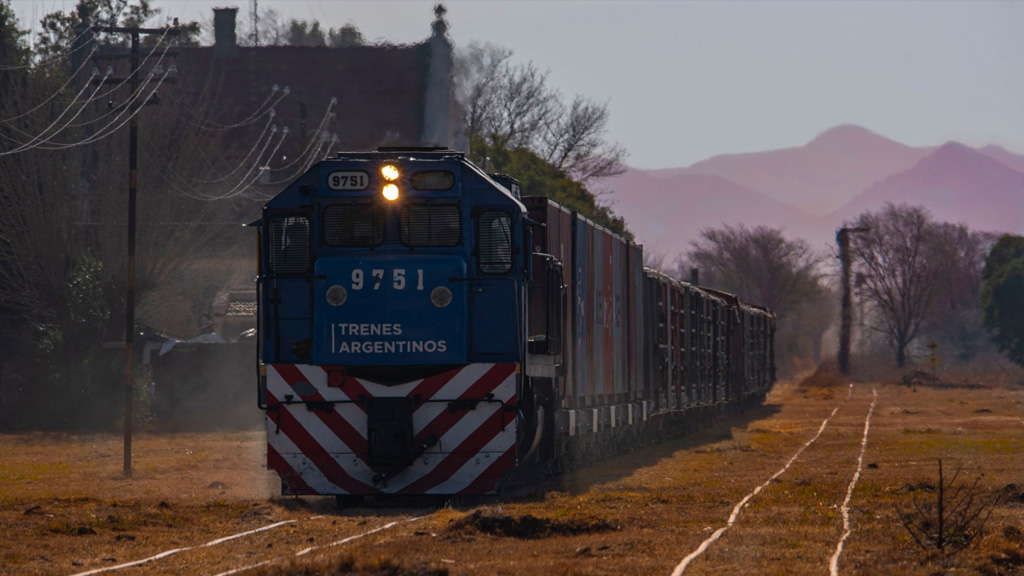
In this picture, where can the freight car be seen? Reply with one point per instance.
(425, 329)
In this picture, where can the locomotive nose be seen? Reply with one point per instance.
(390, 311)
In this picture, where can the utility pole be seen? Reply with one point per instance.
(133, 182)
(846, 310)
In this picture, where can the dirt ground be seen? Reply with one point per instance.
(65, 507)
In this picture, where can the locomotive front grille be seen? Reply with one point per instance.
(389, 431)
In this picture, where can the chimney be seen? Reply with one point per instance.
(695, 276)
(224, 31)
(438, 104)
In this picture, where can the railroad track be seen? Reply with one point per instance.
(278, 542)
(833, 562)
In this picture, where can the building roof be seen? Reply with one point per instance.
(379, 95)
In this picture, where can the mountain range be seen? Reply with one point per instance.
(811, 190)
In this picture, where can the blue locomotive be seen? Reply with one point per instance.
(425, 329)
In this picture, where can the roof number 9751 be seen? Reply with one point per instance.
(348, 180)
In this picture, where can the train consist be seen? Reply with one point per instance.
(424, 329)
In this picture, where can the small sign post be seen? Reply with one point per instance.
(934, 360)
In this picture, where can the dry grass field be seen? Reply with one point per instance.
(65, 507)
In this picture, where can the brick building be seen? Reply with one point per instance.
(358, 97)
(380, 95)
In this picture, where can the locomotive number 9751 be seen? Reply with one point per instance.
(377, 278)
(348, 180)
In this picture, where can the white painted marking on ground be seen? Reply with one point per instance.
(243, 569)
(338, 543)
(130, 564)
(736, 510)
(265, 528)
(834, 564)
(358, 536)
(176, 550)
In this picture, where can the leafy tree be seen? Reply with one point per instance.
(15, 58)
(1002, 297)
(302, 33)
(346, 35)
(13, 52)
(540, 178)
(58, 30)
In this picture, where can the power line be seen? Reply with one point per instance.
(165, 169)
(213, 126)
(110, 70)
(319, 130)
(259, 138)
(71, 78)
(105, 130)
(110, 128)
(239, 188)
(36, 141)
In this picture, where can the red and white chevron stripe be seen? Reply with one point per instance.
(322, 448)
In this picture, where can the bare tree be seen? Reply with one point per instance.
(575, 142)
(524, 107)
(271, 29)
(956, 320)
(477, 72)
(965, 251)
(511, 106)
(759, 265)
(763, 267)
(900, 259)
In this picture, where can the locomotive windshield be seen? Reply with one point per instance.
(431, 225)
(354, 225)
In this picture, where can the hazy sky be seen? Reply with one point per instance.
(688, 80)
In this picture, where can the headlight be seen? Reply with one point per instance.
(336, 295)
(441, 296)
(389, 172)
(390, 192)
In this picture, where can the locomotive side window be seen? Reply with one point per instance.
(354, 225)
(289, 245)
(494, 242)
(427, 225)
